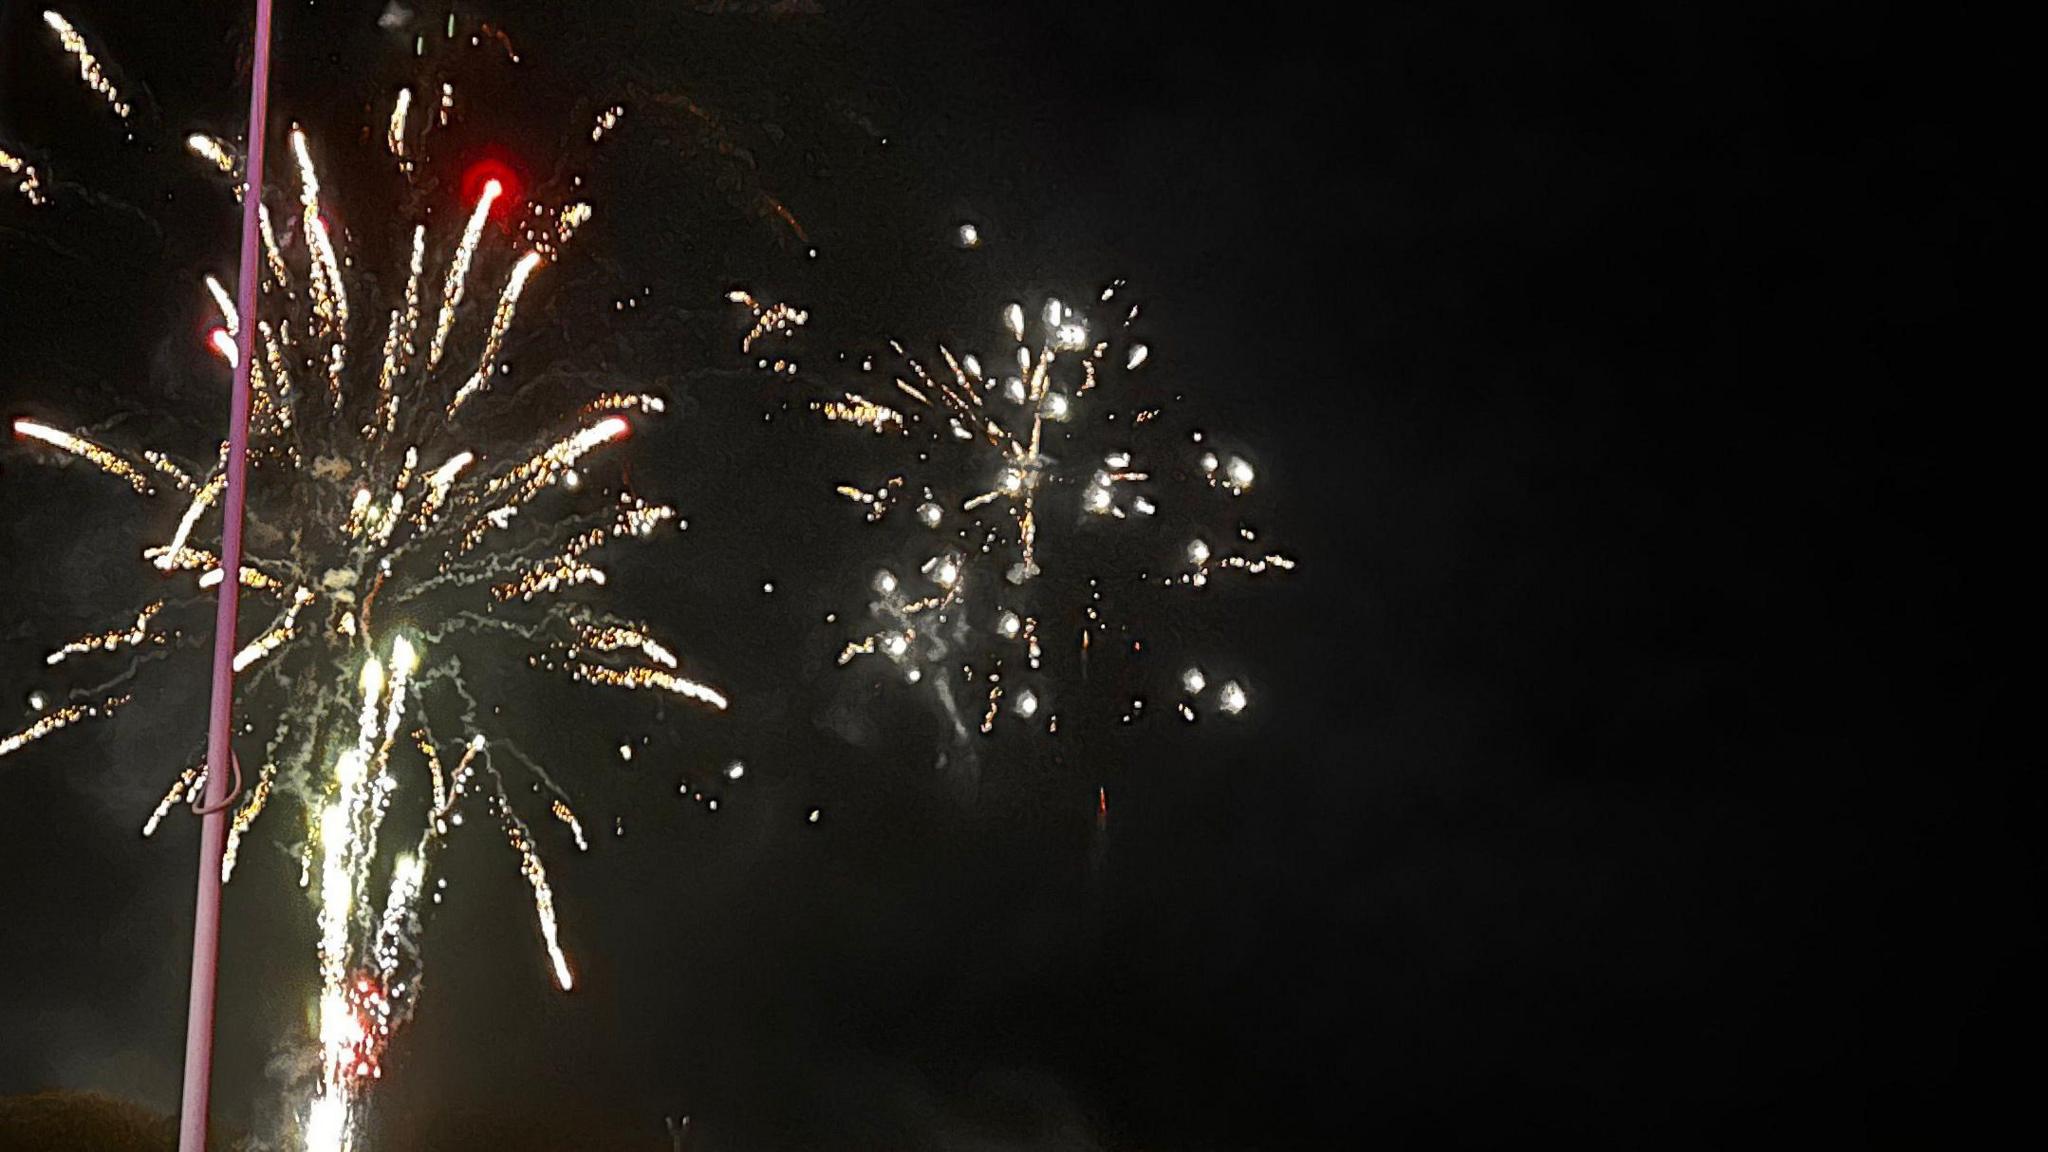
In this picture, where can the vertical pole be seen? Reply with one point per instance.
(213, 833)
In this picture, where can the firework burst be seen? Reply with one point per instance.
(388, 529)
(1025, 500)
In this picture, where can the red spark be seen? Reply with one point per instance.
(494, 166)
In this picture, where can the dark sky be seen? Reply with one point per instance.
(1630, 759)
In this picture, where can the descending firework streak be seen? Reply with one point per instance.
(387, 533)
(1002, 481)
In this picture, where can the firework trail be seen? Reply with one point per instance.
(26, 180)
(387, 530)
(999, 483)
(90, 70)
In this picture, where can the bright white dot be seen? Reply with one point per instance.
(1008, 624)
(625, 751)
(1027, 704)
(896, 644)
(37, 701)
(885, 582)
(1071, 336)
(970, 236)
(1192, 681)
(913, 676)
(1013, 390)
(1240, 472)
(1097, 498)
(814, 815)
(972, 364)
(572, 480)
(1198, 552)
(1056, 405)
(1012, 481)
(768, 586)
(1137, 356)
(1013, 319)
(1232, 698)
(1209, 462)
(1118, 460)
(1054, 311)
(735, 770)
(1145, 507)
(929, 513)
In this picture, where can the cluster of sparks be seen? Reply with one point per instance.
(770, 321)
(26, 181)
(985, 456)
(89, 68)
(381, 527)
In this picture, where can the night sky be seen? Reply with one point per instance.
(1629, 759)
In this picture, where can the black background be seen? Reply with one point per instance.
(1631, 752)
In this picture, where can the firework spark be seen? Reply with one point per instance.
(95, 454)
(62, 718)
(135, 634)
(394, 133)
(27, 182)
(89, 69)
(212, 151)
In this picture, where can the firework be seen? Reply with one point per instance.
(392, 507)
(62, 718)
(89, 68)
(394, 132)
(102, 458)
(135, 634)
(26, 182)
(1055, 447)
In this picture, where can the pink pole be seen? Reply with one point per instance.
(214, 831)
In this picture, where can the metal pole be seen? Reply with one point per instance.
(213, 832)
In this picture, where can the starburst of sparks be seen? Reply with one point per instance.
(385, 523)
(992, 460)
